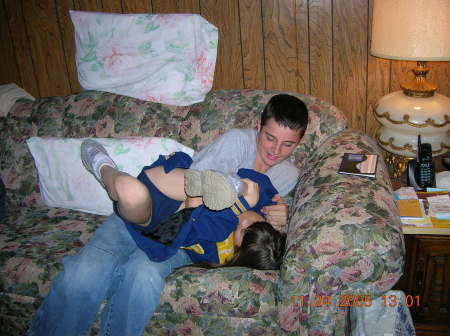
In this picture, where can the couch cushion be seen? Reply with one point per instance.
(232, 292)
(95, 114)
(211, 325)
(224, 301)
(33, 242)
(103, 114)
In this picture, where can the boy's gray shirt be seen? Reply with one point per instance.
(236, 149)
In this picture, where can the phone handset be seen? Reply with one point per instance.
(420, 170)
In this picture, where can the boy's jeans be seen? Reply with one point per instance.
(110, 267)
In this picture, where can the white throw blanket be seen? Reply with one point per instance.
(9, 94)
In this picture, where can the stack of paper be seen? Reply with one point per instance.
(439, 207)
(412, 207)
(405, 193)
(412, 212)
(439, 210)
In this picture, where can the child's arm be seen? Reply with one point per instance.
(250, 192)
(250, 217)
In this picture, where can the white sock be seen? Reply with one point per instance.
(100, 160)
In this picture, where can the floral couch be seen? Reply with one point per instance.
(344, 237)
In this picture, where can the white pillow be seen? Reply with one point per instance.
(64, 181)
(165, 58)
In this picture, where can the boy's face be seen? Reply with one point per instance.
(274, 144)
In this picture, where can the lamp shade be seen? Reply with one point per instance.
(415, 30)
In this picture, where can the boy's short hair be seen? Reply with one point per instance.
(288, 111)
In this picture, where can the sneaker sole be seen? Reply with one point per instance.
(193, 183)
(218, 194)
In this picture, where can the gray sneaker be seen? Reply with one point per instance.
(219, 190)
(94, 156)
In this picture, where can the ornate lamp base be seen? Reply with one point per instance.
(399, 163)
(403, 118)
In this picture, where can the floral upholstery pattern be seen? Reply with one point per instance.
(344, 235)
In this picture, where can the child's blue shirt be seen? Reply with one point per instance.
(208, 235)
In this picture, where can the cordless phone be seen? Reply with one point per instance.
(421, 170)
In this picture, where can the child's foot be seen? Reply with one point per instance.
(193, 182)
(219, 190)
(94, 156)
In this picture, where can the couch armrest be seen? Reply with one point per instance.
(344, 239)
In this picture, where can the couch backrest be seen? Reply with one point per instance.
(102, 114)
(16, 164)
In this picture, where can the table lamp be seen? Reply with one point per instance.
(414, 30)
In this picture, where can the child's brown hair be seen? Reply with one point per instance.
(262, 248)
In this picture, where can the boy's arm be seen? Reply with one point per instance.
(227, 153)
(276, 215)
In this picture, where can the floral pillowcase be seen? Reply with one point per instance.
(165, 58)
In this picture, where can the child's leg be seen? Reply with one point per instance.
(133, 199)
(134, 202)
(219, 190)
(170, 184)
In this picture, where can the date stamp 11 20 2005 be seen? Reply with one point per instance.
(348, 300)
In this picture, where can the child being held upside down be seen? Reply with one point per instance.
(206, 235)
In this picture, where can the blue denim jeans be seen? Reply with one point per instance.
(110, 267)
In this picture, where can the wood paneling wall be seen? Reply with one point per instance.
(319, 47)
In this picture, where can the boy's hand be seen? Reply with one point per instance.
(277, 214)
(251, 192)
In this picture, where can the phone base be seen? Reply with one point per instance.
(413, 180)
